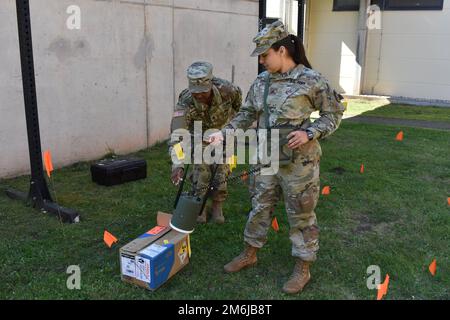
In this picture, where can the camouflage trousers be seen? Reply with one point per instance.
(201, 176)
(299, 184)
(251, 183)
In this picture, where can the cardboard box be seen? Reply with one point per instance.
(155, 256)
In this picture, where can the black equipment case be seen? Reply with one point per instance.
(116, 171)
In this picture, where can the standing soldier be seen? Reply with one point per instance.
(213, 101)
(294, 90)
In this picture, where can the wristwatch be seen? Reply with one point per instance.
(310, 134)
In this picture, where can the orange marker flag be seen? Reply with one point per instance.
(275, 224)
(48, 162)
(448, 201)
(361, 170)
(109, 239)
(432, 267)
(383, 288)
(326, 190)
(399, 136)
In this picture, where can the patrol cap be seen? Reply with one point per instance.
(268, 36)
(199, 76)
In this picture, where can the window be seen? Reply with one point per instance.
(413, 4)
(346, 5)
(353, 5)
(409, 4)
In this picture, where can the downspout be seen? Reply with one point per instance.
(361, 46)
(301, 20)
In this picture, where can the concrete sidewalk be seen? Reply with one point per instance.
(438, 125)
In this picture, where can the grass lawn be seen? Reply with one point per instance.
(395, 215)
(401, 111)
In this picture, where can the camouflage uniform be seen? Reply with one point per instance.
(226, 101)
(292, 97)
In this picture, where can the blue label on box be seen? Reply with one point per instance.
(161, 259)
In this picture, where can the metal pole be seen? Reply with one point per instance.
(301, 20)
(29, 93)
(39, 194)
(261, 25)
(210, 188)
(180, 189)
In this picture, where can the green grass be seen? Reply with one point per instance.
(401, 111)
(395, 215)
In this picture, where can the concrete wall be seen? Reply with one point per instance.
(331, 44)
(113, 83)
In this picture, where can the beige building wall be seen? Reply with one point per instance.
(409, 57)
(331, 42)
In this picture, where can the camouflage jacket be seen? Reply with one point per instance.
(226, 102)
(292, 97)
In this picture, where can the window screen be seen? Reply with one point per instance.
(345, 5)
(353, 5)
(409, 4)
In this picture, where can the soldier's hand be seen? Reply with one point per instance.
(177, 175)
(297, 138)
(215, 138)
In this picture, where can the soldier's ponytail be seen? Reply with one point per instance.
(295, 49)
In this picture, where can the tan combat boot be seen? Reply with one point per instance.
(202, 218)
(217, 214)
(247, 258)
(299, 278)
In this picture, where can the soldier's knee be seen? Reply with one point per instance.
(307, 200)
(310, 233)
